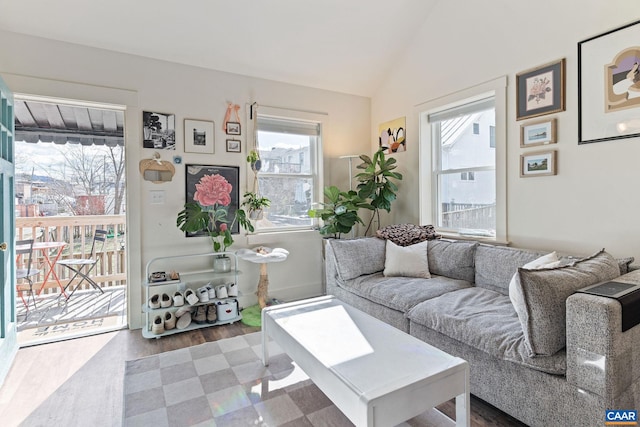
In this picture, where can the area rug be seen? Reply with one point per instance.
(224, 383)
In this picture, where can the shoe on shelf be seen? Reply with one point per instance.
(158, 326)
(232, 289)
(154, 301)
(165, 301)
(169, 320)
(184, 320)
(178, 299)
(221, 292)
(211, 290)
(191, 297)
(212, 313)
(201, 315)
(203, 294)
(182, 311)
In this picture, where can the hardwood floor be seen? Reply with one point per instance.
(79, 382)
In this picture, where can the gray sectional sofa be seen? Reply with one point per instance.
(559, 359)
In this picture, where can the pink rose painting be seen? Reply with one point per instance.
(212, 190)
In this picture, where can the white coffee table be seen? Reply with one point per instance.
(374, 373)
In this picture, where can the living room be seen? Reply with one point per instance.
(588, 205)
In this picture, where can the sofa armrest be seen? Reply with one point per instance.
(330, 268)
(600, 357)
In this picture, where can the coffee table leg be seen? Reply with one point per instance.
(265, 339)
(463, 404)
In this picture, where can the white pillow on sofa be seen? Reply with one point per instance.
(407, 261)
(515, 292)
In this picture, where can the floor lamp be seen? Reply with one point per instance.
(351, 157)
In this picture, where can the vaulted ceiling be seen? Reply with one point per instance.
(341, 45)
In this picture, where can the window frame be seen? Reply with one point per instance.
(316, 157)
(428, 191)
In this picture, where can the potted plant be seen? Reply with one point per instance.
(253, 158)
(340, 212)
(208, 214)
(377, 183)
(255, 204)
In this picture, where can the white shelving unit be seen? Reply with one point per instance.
(188, 280)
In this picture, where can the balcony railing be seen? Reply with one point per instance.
(77, 232)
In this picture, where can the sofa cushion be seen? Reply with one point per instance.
(401, 293)
(452, 258)
(545, 291)
(358, 256)
(485, 320)
(545, 261)
(496, 265)
(408, 261)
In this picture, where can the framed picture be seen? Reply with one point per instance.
(198, 136)
(540, 163)
(233, 145)
(159, 130)
(233, 128)
(223, 182)
(609, 85)
(540, 90)
(391, 135)
(538, 133)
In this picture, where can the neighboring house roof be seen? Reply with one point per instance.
(452, 129)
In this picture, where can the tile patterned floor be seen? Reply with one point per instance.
(223, 383)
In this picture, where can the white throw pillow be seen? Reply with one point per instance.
(407, 261)
(515, 292)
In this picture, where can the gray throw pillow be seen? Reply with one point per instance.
(545, 291)
(452, 258)
(357, 257)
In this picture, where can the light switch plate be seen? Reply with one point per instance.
(156, 197)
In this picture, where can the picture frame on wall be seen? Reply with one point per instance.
(541, 90)
(233, 128)
(536, 133)
(233, 145)
(158, 130)
(609, 85)
(197, 175)
(539, 163)
(199, 136)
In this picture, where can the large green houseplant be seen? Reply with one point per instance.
(339, 213)
(376, 183)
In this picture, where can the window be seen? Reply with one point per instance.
(290, 151)
(476, 128)
(459, 153)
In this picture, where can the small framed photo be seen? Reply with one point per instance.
(540, 90)
(540, 163)
(233, 128)
(198, 136)
(538, 133)
(233, 145)
(158, 130)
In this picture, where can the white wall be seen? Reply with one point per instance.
(78, 72)
(594, 201)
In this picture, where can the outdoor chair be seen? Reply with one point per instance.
(24, 249)
(83, 267)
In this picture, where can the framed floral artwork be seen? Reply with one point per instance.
(215, 188)
(609, 85)
(541, 90)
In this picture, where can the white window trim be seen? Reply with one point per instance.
(497, 88)
(285, 113)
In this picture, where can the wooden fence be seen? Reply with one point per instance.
(77, 232)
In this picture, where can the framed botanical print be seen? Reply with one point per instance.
(541, 90)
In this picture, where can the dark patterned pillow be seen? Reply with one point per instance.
(408, 234)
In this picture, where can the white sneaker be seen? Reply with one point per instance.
(182, 311)
(211, 290)
(165, 301)
(203, 294)
(191, 297)
(232, 289)
(221, 292)
(158, 326)
(178, 299)
(184, 321)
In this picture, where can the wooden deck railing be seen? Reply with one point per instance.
(77, 232)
